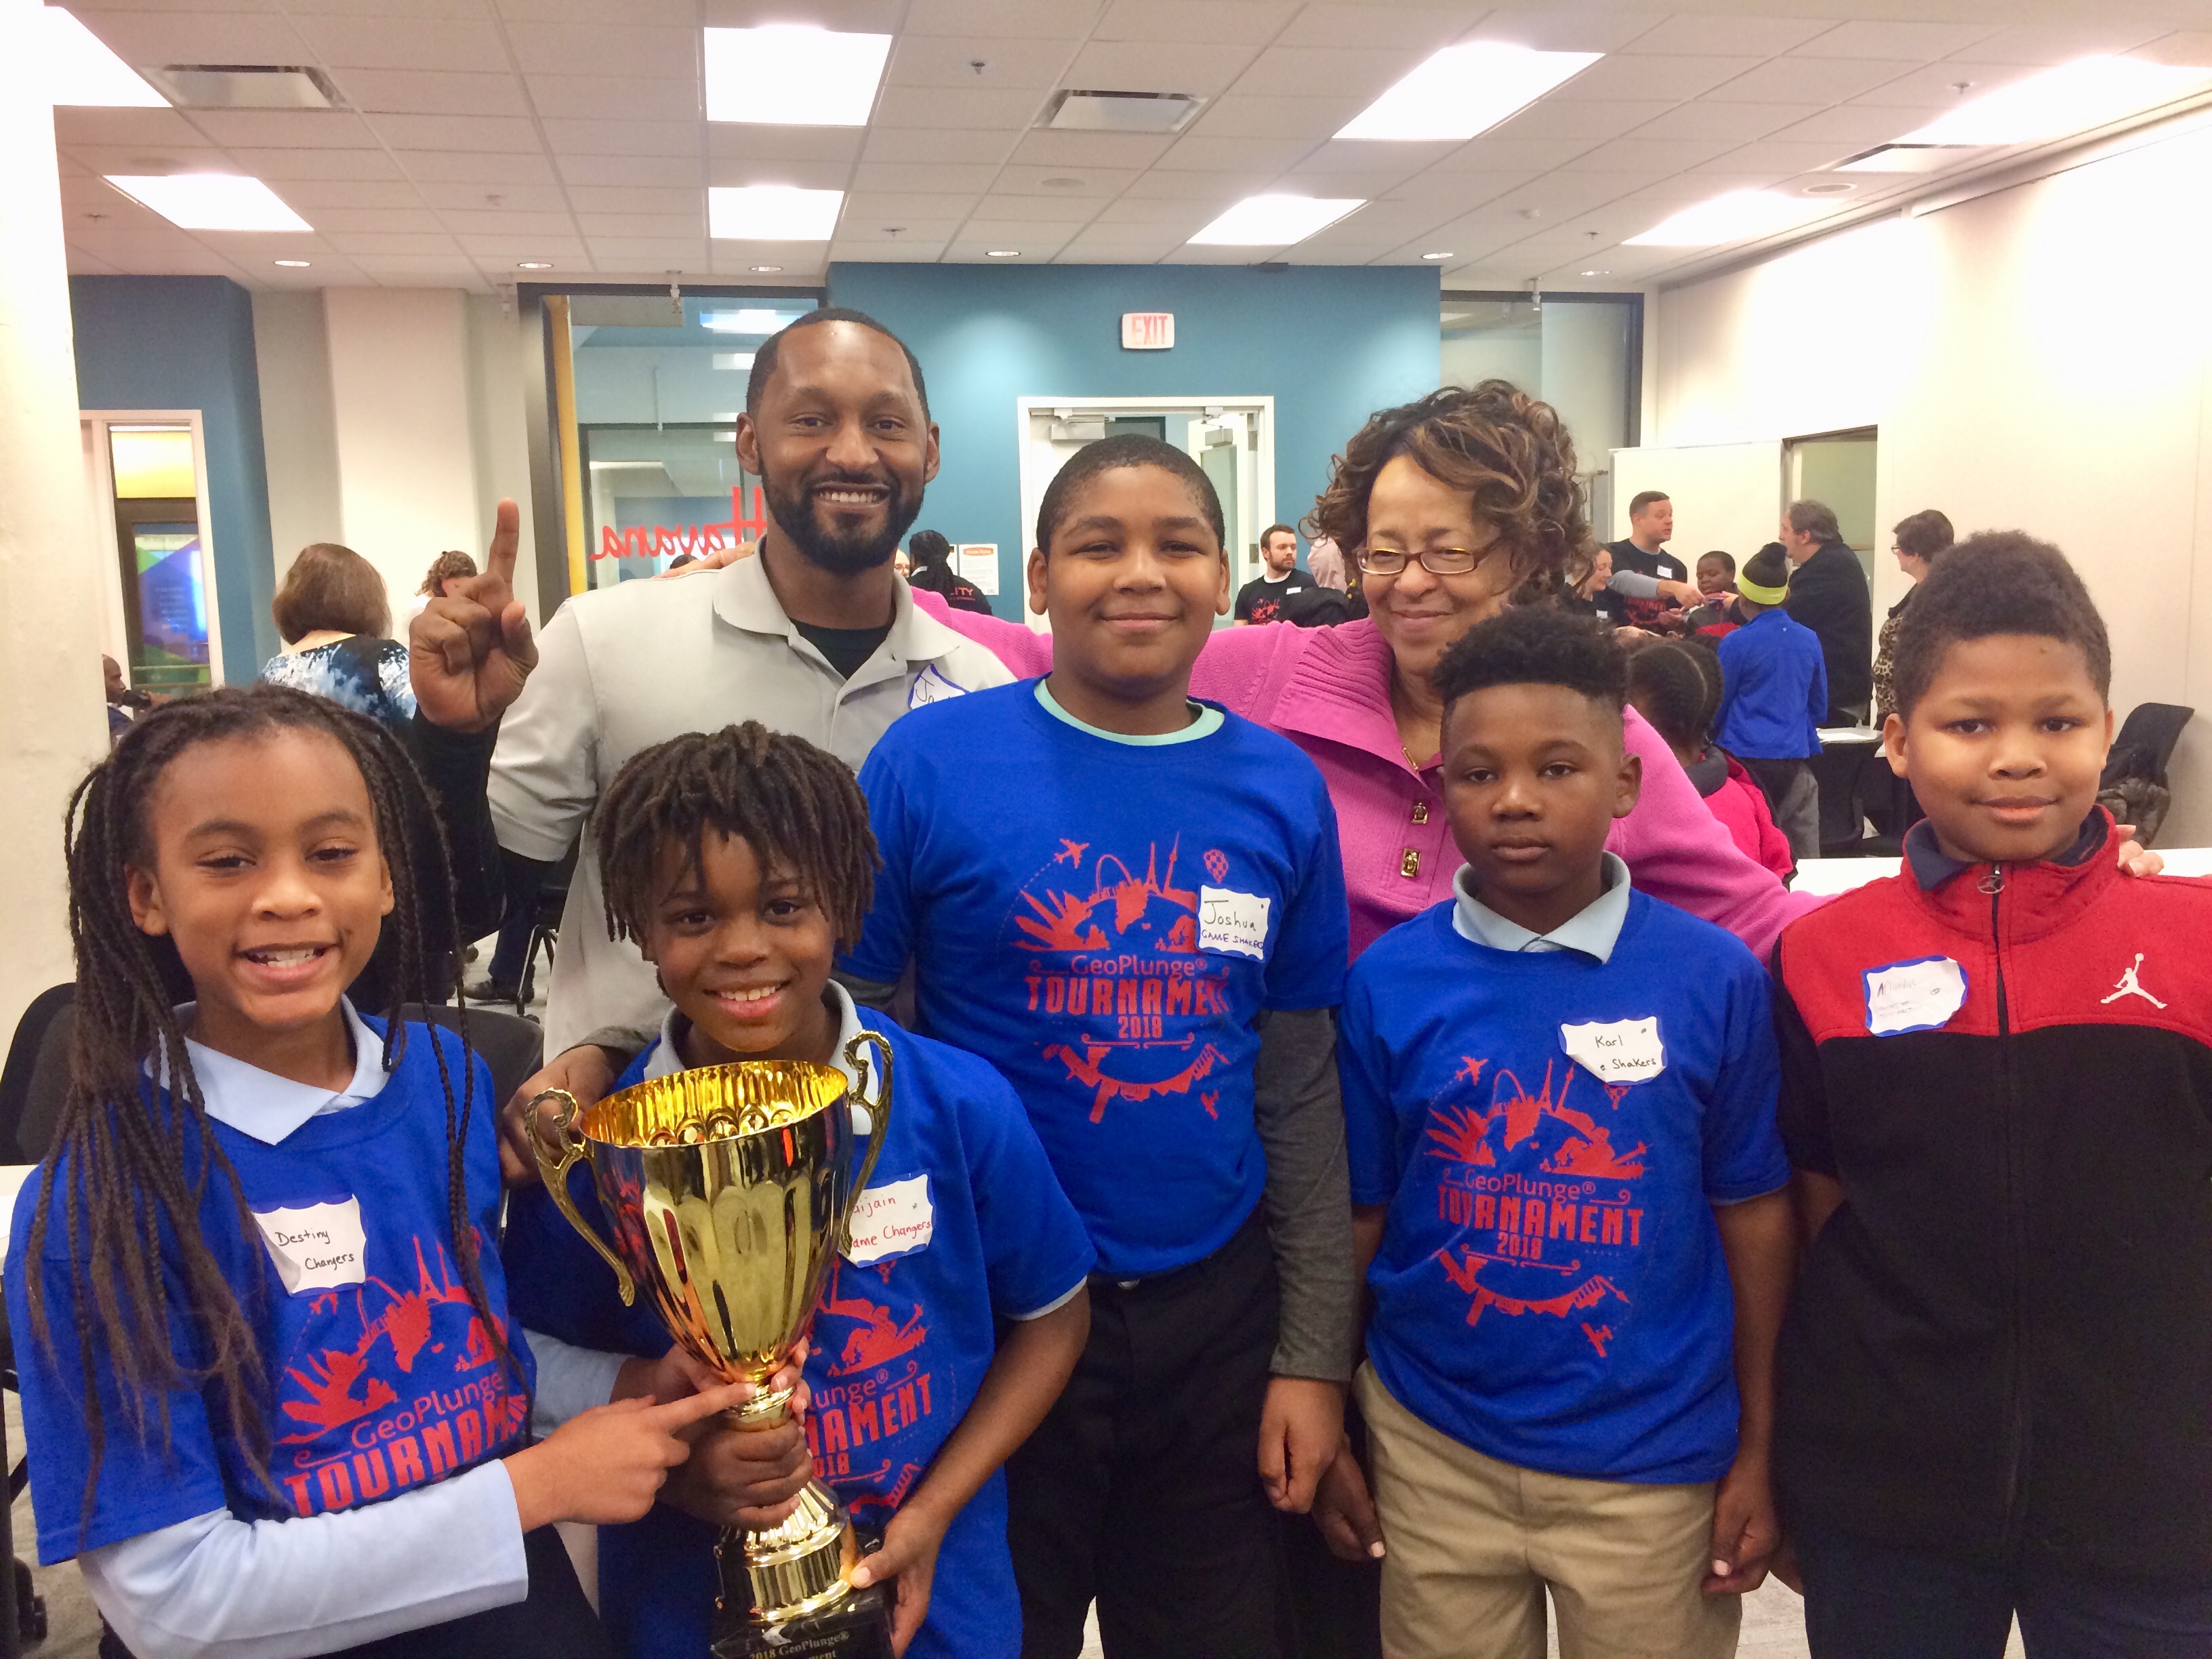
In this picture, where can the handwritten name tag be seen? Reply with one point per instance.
(317, 1247)
(1621, 1051)
(893, 1219)
(932, 686)
(1234, 922)
(1914, 996)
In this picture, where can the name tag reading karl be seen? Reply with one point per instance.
(1913, 996)
(317, 1247)
(1233, 921)
(891, 1220)
(1618, 1051)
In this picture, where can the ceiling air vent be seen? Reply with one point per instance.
(1120, 112)
(246, 86)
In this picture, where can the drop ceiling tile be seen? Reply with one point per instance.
(474, 133)
(1811, 81)
(1088, 149)
(388, 242)
(488, 221)
(1131, 213)
(1358, 72)
(956, 106)
(1008, 61)
(795, 258)
(737, 141)
(1896, 38)
(1637, 152)
(1157, 66)
(1553, 27)
(106, 159)
(983, 18)
(806, 175)
(1489, 155)
(276, 164)
(587, 199)
(1034, 243)
(967, 179)
(544, 14)
(607, 49)
(484, 247)
(430, 92)
(1589, 122)
(1212, 255)
(664, 253)
(886, 253)
(1093, 247)
(959, 145)
(1092, 184)
(81, 264)
(422, 42)
(491, 169)
(339, 222)
(1458, 193)
(1238, 117)
(570, 137)
(1422, 28)
(225, 36)
(2060, 43)
(1854, 125)
(401, 265)
(1737, 123)
(1783, 158)
(164, 127)
(899, 232)
(2182, 49)
(1256, 155)
(519, 198)
(1691, 35)
(451, 10)
(1041, 210)
(1659, 76)
(614, 97)
(614, 171)
(853, 16)
(1930, 88)
(1367, 186)
(1195, 21)
(1220, 188)
(274, 129)
(878, 204)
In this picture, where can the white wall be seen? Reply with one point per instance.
(2039, 358)
(299, 428)
(501, 353)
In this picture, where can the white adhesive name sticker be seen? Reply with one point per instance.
(1235, 921)
(891, 1220)
(1914, 996)
(932, 686)
(317, 1247)
(1617, 1051)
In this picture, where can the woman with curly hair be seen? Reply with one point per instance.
(1450, 506)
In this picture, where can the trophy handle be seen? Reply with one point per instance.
(879, 1118)
(556, 1177)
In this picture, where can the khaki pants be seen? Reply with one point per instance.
(1473, 1543)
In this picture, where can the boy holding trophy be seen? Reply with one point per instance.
(741, 861)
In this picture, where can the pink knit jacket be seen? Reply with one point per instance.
(1327, 690)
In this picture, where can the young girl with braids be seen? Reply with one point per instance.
(271, 1397)
(1676, 687)
(741, 862)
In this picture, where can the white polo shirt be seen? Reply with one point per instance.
(621, 669)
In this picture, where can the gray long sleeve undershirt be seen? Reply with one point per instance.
(1633, 585)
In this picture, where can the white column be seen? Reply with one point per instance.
(53, 720)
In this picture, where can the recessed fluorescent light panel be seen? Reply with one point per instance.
(210, 201)
(771, 213)
(2075, 97)
(1738, 216)
(795, 76)
(80, 69)
(1275, 221)
(1464, 90)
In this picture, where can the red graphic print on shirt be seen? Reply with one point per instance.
(1120, 981)
(883, 1382)
(387, 1388)
(1547, 1205)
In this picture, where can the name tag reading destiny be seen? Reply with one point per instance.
(1618, 1051)
(317, 1247)
(890, 1220)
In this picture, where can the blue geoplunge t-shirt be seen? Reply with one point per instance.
(381, 1378)
(1103, 920)
(899, 1346)
(1551, 1132)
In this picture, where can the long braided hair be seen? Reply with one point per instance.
(792, 803)
(139, 1159)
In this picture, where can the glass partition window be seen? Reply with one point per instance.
(658, 386)
(164, 561)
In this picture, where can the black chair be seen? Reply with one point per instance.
(545, 927)
(513, 1047)
(2154, 728)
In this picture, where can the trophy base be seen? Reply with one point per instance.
(857, 1625)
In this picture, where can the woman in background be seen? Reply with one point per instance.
(933, 571)
(1919, 540)
(330, 610)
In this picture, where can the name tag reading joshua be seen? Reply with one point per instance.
(1234, 922)
(1622, 1051)
(893, 1219)
(317, 1247)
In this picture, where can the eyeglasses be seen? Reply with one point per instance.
(1436, 560)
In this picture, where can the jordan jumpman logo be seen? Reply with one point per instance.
(2130, 986)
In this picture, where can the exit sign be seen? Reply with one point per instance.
(1147, 330)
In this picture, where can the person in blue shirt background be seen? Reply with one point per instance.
(740, 860)
(1134, 906)
(1774, 693)
(272, 1398)
(1570, 1203)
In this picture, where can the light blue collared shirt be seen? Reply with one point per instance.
(216, 1586)
(1594, 930)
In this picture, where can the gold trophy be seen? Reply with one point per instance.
(730, 1191)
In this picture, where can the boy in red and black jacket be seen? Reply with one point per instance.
(1996, 1374)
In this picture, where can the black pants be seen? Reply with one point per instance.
(1141, 1488)
(1865, 1600)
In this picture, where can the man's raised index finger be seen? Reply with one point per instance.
(505, 537)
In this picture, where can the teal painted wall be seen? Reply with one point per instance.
(187, 343)
(1330, 344)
